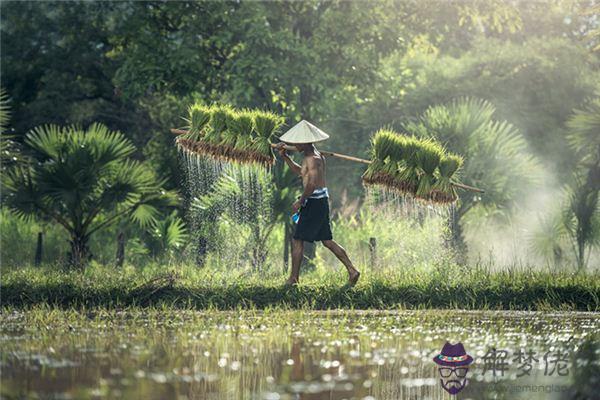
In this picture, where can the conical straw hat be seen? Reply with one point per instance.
(304, 132)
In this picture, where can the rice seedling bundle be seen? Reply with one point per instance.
(231, 132)
(226, 134)
(266, 124)
(443, 190)
(219, 115)
(408, 168)
(383, 143)
(199, 116)
(429, 156)
(411, 165)
(244, 131)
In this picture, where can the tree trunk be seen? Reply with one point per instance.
(585, 218)
(287, 245)
(201, 251)
(457, 240)
(120, 249)
(78, 257)
(580, 253)
(38, 250)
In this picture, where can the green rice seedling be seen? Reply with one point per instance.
(199, 117)
(443, 190)
(408, 169)
(218, 123)
(230, 133)
(383, 143)
(405, 163)
(411, 153)
(266, 124)
(243, 126)
(395, 155)
(430, 155)
(224, 133)
(428, 159)
(450, 164)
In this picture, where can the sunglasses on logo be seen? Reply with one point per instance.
(459, 372)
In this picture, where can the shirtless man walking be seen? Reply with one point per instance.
(313, 206)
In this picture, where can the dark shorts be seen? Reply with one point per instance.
(314, 224)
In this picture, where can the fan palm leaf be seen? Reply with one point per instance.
(584, 126)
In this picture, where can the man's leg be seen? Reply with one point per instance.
(297, 254)
(341, 254)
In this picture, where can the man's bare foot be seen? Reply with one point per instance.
(291, 282)
(353, 277)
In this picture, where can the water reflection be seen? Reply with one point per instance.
(287, 355)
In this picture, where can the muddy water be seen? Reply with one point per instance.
(295, 355)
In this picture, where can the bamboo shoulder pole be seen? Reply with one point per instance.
(332, 154)
(345, 157)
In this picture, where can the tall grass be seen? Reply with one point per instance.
(441, 286)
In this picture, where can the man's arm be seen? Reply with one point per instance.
(284, 155)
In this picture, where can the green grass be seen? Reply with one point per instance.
(441, 287)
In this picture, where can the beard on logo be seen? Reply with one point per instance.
(453, 386)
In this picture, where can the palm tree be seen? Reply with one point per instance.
(84, 181)
(496, 157)
(582, 214)
(10, 152)
(166, 235)
(581, 217)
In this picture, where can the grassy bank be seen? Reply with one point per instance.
(442, 286)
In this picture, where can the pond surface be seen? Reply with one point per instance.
(171, 354)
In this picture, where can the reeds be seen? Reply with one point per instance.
(410, 165)
(226, 134)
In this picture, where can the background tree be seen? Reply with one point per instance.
(573, 229)
(84, 181)
(583, 213)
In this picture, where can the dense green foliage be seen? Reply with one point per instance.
(351, 67)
